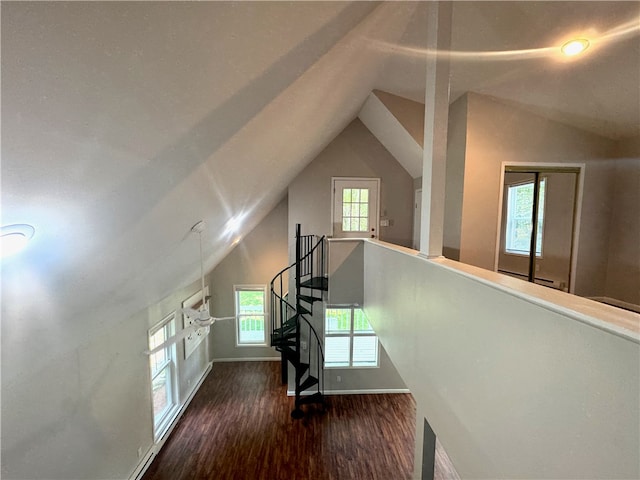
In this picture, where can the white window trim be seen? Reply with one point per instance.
(265, 315)
(161, 424)
(351, 335)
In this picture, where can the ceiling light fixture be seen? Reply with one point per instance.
(232, 227)
(574, 47)
(14, 238)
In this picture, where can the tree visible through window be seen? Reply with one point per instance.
(349, 339)
(519, 218)
(250, 312)
(355, 210)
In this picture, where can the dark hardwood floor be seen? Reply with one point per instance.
(238, 426)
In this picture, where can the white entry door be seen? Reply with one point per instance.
(355, 207)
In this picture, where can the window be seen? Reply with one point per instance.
(163, 375)
(355, 210)
(349, 339)
(251, 312)
(519, 218)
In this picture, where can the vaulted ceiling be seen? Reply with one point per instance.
(123, 124)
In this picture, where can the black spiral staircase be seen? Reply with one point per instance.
(293, 333)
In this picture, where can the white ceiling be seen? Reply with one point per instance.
(597, 92)
(123, 124)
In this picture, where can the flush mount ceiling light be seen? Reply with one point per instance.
(574, 47)
(232, 227)
(14, 238)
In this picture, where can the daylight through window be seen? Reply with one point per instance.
(519, 218)
(251, 312)
(355, 210)
(163, 368)
(349, 339)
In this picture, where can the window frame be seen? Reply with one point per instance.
(236, 297)
(541, 219)
(351, 335)
(357, 207)
(162, 420)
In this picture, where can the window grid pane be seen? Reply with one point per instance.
(250, 301)
(338, 320)
(251, 316)
(350, 341)
(365, 351)
(251, 329)
(337, 351)
(519, 221)
(162, 374)
(161, 391)
(355, 209)
(360, 322)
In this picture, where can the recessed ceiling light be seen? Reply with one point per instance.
(574, 47)
(13, 238)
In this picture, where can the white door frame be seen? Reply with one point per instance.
(577, 209)
(377, 211)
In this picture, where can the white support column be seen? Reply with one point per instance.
(435, 128)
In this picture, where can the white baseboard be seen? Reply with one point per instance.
(369, 391)
(247, 359)
(148, 457)
(142, 467)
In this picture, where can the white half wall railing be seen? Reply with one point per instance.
(516, 380)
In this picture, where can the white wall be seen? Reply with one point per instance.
(512, 386)
(254, 261)
(409, 113)
(454, 180)
(623, 267)
(353, 153)
(496, 133)
(346, 283)
(346, 268)
(88, 412)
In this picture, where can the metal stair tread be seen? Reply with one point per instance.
(304, 310)
(314, 398)
(301, 369)
(309, 298)
(282, 343)
(316, 283)
(283, 335)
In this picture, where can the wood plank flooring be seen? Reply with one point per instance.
(238, 426)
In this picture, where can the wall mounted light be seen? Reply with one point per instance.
(14, 238)
(574, 47)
